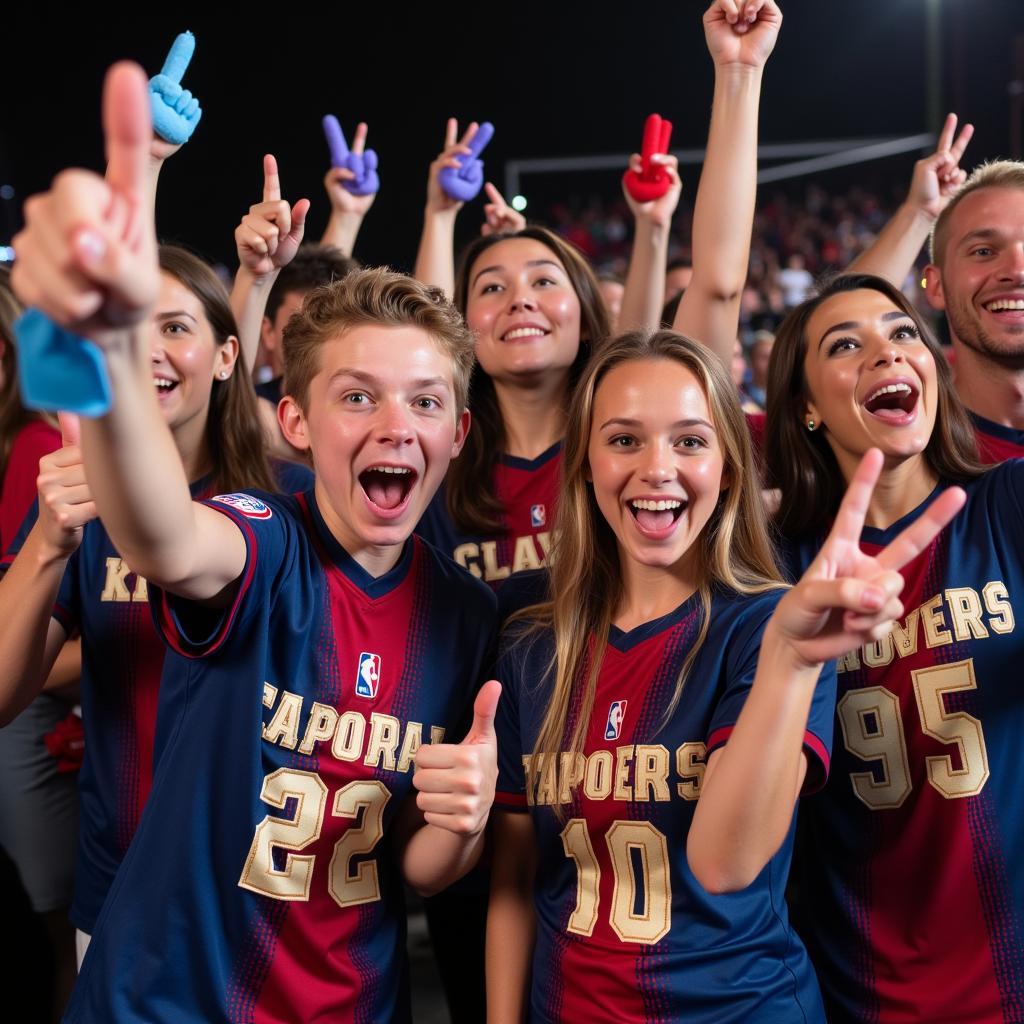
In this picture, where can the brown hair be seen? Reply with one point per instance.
(586, 578)
(802, 463)
(13, 415)
(378, 296)
(993, 174)
(311, 267)
(234, 438)
(472, 503)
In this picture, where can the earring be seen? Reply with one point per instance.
(811, 426)
(223, 374)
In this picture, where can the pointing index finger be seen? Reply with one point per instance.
(179, 56)
(271, 179)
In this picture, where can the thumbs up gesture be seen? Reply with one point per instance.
(176, 111)
(87, 254)
(271, 232)
(456, 780)
(65, 501)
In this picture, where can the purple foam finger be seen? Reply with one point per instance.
(483, 135)
(335, 141)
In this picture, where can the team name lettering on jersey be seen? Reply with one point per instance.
(952, 616)
(528, 552)
(115, 587)
(379, 741)
(640, 772)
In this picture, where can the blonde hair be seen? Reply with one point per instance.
(993, 174)
(586, 582)
(373, 297)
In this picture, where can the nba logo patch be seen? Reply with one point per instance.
(616, 713)
(538, 515)
(369, 675)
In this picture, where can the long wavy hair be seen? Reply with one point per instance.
(13, 415)
(234, 439)
(801, 462)
(734, 548)
(473, 505)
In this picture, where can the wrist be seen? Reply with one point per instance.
(442, 216)
(779, 651)
(917, 213)
(248, 278)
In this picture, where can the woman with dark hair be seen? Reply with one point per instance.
(207, 398)
(663, 711)
(914, 896)
(38, 800)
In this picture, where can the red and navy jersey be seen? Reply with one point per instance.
(625, 933)
(528, 491)
(122, 666)
(260, 885)
(997, 443)
(913, 876)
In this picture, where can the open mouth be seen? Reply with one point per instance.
(388, 487)
(163, 386)
(656, 517)
(893, 403)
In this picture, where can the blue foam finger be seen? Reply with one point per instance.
(176, 112)
(58, 370)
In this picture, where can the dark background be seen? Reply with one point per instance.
(557, 80)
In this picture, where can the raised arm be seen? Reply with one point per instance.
(348, 208)
(844, 600)
(87, 258)
(935, 181)
(435, 260)
(740, 35)
(266, 240)
(644, 296)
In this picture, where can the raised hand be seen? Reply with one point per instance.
(742, 31)
(354, 170)
(176, 111)
(87, 253)
(456, 780)
(65, 501)
(660, 209)
(463, 179)
(499, 217)
(847, 598)
(271, 232)
(646, 179)
(438, 200)
(937, 177)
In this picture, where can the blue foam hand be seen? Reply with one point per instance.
(58, 370)
(176, 111)
(464, 183)
(363, 165)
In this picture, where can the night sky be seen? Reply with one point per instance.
(570, 79)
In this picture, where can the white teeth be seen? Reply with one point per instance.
(654, 506)
(1001, 304)
(524, 332)
(397, 470)
(163, 385)
(889, 389)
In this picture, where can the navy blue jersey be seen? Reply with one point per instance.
(997, 443)
(122, 666)
(914, 851)
(528, 492)
(260, 885)
(625, 933)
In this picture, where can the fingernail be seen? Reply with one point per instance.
(90, 246)
(872, 598)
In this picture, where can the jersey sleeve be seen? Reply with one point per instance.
(741, 665)
(195, 631)
(510, 793)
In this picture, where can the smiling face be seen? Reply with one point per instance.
(871, 378)
(523, 309)
(382, 426)
(655, 462)
(980, 283)
(186, 357)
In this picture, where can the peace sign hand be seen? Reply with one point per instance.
(352, 183)
(847, 598)
(937, 177)
(271, 232)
